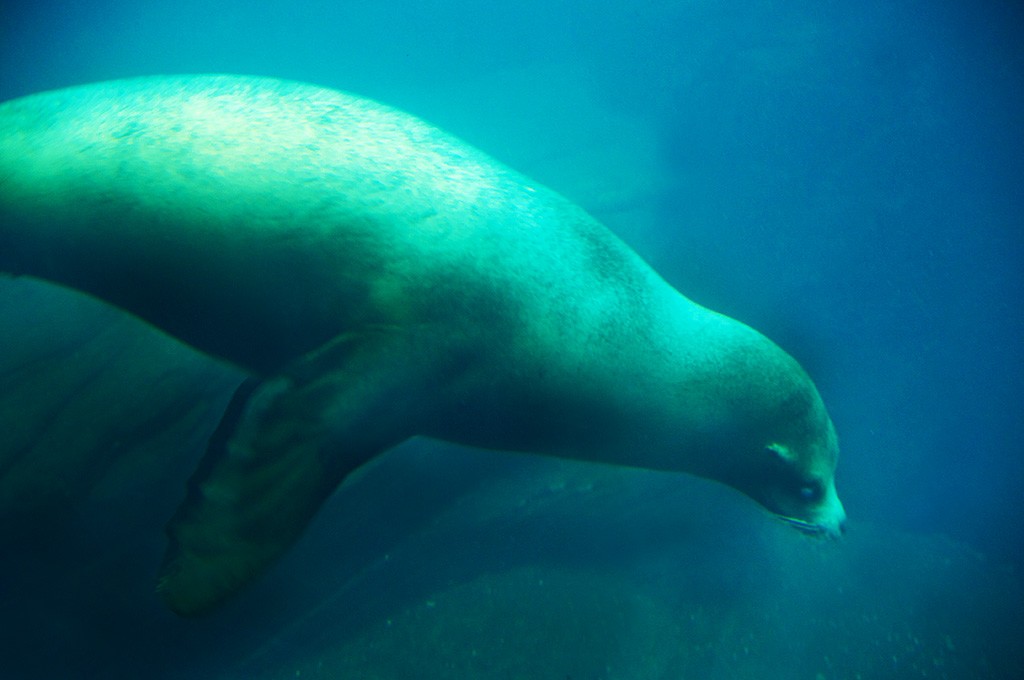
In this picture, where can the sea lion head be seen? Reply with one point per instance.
(799, 486)
(766, 431)
(789, 466)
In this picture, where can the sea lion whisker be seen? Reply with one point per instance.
(802, 525)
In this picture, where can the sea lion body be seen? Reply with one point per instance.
(382, 280)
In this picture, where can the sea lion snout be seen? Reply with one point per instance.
(830, 519)
(834, 515)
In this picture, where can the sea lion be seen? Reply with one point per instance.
(381, 280)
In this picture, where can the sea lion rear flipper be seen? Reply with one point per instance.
(281, 449)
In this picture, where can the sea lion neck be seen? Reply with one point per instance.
(719, 389)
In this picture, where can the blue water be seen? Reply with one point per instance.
(845, 177)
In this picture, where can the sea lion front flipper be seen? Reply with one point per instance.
(281, 449)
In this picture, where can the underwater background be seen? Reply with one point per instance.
(843, 176)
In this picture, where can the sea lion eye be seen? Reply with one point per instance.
(810, 492)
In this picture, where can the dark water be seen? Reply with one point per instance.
(842, 176)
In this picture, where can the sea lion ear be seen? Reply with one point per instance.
(781, 451)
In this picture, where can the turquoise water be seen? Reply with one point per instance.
(843, 177)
